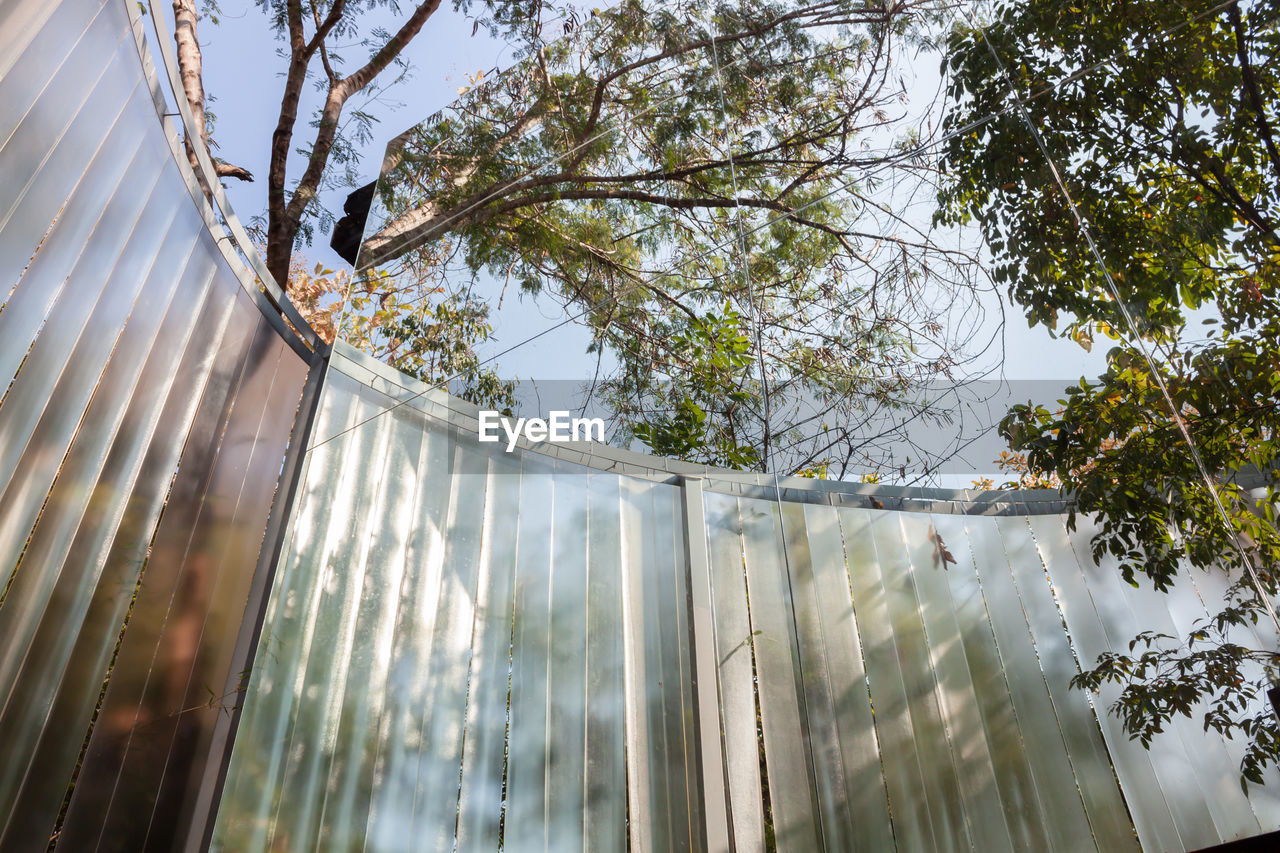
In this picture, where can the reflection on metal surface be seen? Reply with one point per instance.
(460, 643)
(145, 405)
(498, 651)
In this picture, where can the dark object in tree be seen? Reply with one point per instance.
(348, 231)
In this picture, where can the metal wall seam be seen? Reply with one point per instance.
(605, 780)
(40, 110)
(711, 765)
(1152, 814)
(319, 684)
(1047, 755)
(863, 775)
(956, 694)
(33, 33)
(367, 604)
(796, 818)
(671, 549)
(284, 508)
(65, 467)
(1211, 587)
(1192, 817)
(566, 737)
(63, 205)
(124, 766)
(1095, 783)
(646, 811)
(484, 761)
(1211, 805)
(818, 703)
(734, 670)
(288, 622)
(526, 826)
(144, 467)
(71, 259)
(1023, 820)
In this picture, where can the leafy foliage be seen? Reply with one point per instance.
(718, 380)
(659, 160)
(410, 325)
(1160, 119)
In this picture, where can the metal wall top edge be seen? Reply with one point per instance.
(256, 279)
(437, 403)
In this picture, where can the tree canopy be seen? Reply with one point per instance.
(701, 182)
(658, 171)
(1158, 123)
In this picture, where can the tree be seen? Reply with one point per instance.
(312, 31)
(661, 161)
(407, 323)
(1160, 120)
(644, 166)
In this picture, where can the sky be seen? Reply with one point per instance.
(243, 74)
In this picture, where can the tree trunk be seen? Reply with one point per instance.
(191, 69)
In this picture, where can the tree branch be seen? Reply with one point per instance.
(191, 70)
(1251, 86)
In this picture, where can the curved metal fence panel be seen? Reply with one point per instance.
(466, 644)
(146, 407)
(555, 649)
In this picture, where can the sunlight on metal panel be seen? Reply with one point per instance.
(145, 406)
(1019, 802)
(447, 651)
(1181, 797)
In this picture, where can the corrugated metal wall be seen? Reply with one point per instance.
(147, 403)
(471, 647)
(579, 649)
(466, 644)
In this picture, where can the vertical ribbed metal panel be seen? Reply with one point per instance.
(145, 406)
(885, 680)
(1023, 818)
(914, 713)
(1184, 792)
(736, 667)
(465, 645)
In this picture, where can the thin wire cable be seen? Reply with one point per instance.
(884, 164)
(764, 387)
(742, 255)
(1138, 342)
